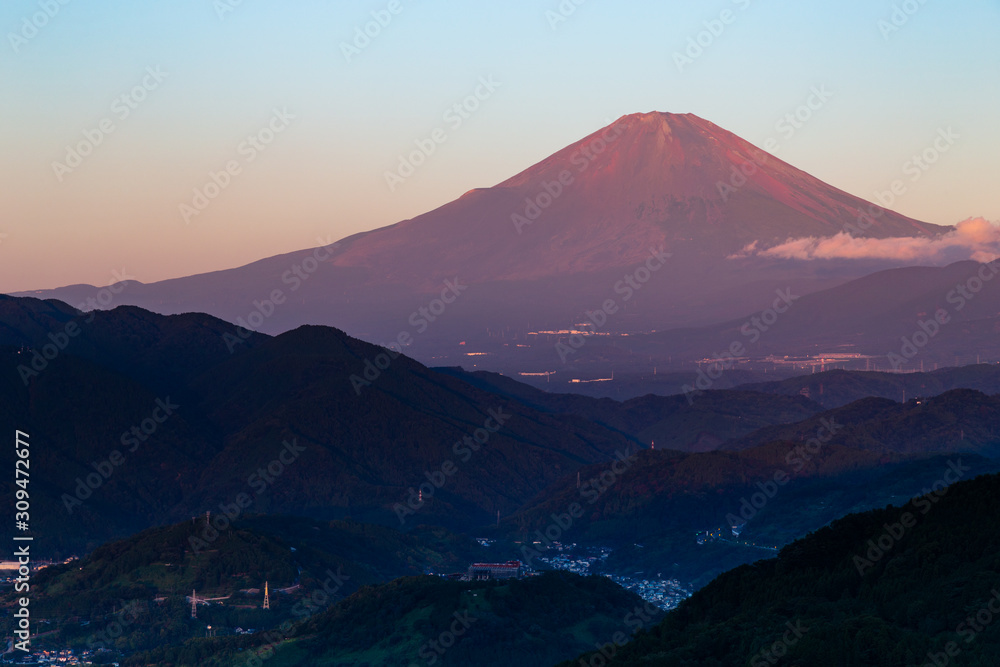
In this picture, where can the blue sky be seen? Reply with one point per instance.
(225, 74)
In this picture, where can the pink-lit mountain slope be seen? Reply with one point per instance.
(647, 180)
(553, 241)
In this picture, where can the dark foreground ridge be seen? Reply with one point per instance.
(912, 585)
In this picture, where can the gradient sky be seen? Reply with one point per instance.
(323, 176)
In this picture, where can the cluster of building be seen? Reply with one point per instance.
(578, 561)
(512, 569)
(732, 536)
(9, 568)
(664, 593)
(63, 657)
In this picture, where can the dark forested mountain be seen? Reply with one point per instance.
(912, 584)
(960, 420)
(427, 620)
(775, 484)
(151, 575)
(148, 418)
(835, 388)
(140, 418)
(672, 422)
(670, 514)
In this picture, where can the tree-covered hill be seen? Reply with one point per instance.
(533, 622)
(912, 584)
(151, 576)
(140, 419)
(959, 420)
(835, 388)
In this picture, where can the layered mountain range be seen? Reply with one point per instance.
(144, 418)
(248, 458)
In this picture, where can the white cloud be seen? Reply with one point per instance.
(976, 238)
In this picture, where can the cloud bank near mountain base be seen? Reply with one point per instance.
(976, 238)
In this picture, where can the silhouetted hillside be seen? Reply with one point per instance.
(670, 515)
(672, 422)
(833, 389)
(141, 419)
(424, 620)
(151, 576)
(960, 420)
(903, 585)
